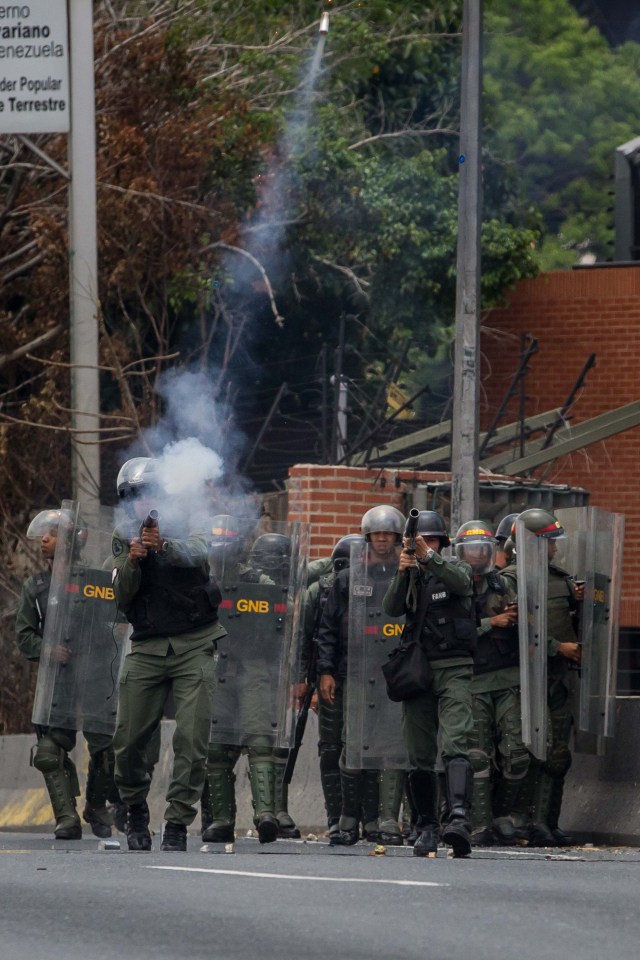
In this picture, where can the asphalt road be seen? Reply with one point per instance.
(73, 901)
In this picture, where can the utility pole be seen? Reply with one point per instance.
(83, 261)
(465, 420)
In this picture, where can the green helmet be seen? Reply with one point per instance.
(540, 522)
(475, 543)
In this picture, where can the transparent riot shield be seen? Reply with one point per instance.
(372, 722)
(600, 622)
(84, 633)
(260, 607)
(532, 562)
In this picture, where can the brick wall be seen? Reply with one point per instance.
(333, 499)
(573, 314)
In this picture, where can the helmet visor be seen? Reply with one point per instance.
(479, 554)
(47, 521)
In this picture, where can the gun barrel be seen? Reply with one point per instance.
(411, 527)
(151, 519)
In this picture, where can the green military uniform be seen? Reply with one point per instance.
(54, 744)
(425, 718)
(166, 656)
(496, 743)
(438, 603)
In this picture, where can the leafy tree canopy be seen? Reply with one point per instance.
(558, 101)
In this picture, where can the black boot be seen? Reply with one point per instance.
(459, 782)
(118, 811)
(174, 838)
(267, 827)
(138, 834)
(423, 790)
(334, 833)
(351, 784)
(218, 834)
(99, 787)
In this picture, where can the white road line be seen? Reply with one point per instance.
(294, 876)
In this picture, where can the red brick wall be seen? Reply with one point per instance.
(573, 314)
(333, 500)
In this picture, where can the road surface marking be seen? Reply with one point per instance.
(295, 876)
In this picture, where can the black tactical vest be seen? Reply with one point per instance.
(172, 600)
(499, 648)
(448, 627)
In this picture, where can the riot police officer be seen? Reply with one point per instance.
(504, 552)
(52, 751)
(330, 714)
(541, 797)
(496, 750)
(247, 687)
(362, 796)
(163, 585)
(437, 598)
(270, 555)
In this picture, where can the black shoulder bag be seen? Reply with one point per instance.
(407, 671)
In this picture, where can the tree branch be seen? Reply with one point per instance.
(32, 345)
(263, 273)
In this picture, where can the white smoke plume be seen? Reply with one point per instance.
(195, 449)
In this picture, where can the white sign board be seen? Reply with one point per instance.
(34, 67)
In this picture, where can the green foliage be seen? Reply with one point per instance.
(558, 101)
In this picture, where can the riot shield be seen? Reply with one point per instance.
(84, 634)
(600, 622)
(373, 723)
(260, 608)
(532, 564)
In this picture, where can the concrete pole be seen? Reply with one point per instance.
(341, 439)
(83, 260)
(465, 420)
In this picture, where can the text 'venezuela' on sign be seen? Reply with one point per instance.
(34, 67)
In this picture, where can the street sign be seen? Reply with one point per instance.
(34, 67)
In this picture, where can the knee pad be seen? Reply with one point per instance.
(48, 756)
(481, 763)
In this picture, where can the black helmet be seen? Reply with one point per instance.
(341, 553)
(504, 527)
(431, 524)
(540, 522)
(475, 543)
(136, 475)
(383, 519)
(509, 548)
(271, 553)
